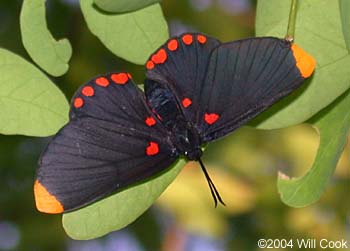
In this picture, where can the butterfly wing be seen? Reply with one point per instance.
(244, 78)
(112, 141)
(219, 87)
(178, 69)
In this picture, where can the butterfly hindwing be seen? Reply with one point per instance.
(111, 141)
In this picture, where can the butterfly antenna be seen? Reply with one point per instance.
(213, 190)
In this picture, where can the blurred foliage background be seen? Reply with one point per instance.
(244, 165)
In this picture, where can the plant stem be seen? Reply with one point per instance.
(291, 21)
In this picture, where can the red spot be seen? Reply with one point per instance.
(150, 65)
(211, 118)
(88, 91)
(120, 78)
(187, 39)
(102, 82)
(78, 102)
(186, 102)
(152, 148)
(173, 45)
(160, 57)
(150, 121)
(201, 39)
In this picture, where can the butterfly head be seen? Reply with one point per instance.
(194, 154)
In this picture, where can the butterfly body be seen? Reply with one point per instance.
(187, 140)
(183, 133)
(197, 90)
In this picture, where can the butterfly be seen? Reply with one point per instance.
(197, 89)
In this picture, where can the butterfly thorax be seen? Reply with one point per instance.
(165, 106)
(186, 140)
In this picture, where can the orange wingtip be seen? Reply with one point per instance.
(46, 202)
(305, 62)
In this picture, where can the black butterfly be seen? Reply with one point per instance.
(197, 89)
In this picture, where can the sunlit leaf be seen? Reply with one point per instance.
(49, 54)
(333, 125)
(344, 6)
(319, 31)
(118, 210)
(132, 36)
(123, 5)
(30, 103)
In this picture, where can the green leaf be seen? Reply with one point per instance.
(132, 36)
(123, 5)
(344, 6)
(118, 210)
(51, 55)
(319, 32)
(30, 103)
(333, 125)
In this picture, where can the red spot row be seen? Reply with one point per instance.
(152, 148)
(161, 56)
(88, 91)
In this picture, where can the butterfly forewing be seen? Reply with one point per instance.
(179, 67)
(112, 140)
(219, 87)
(243, 79)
